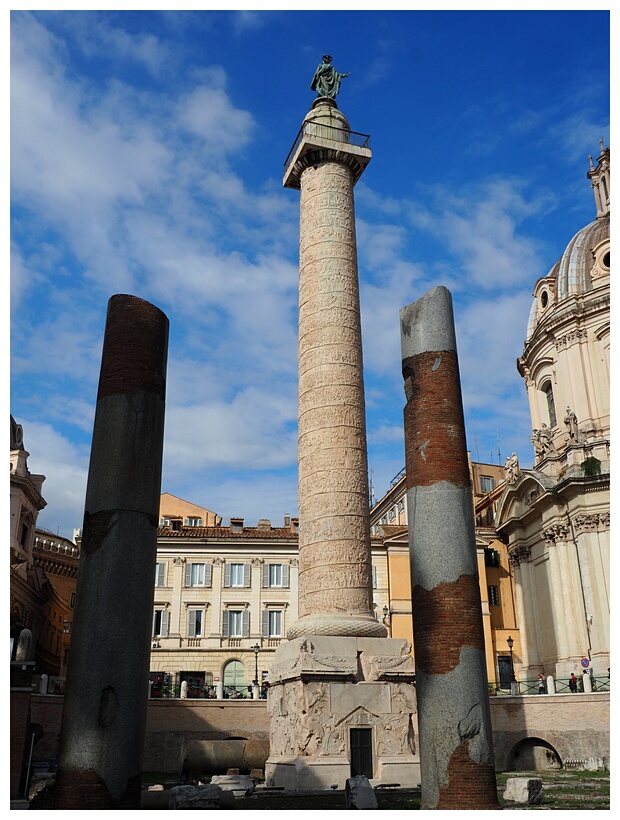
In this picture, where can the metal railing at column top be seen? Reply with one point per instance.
(314, 128)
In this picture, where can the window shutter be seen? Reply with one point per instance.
(225, 630)
(245, 620)
(246, 575)
(188, 575)
(226, 575)
(265, 575)
(265, 630)
(208, 574)
(186, 522)
(374, 577)
(286, 575)
(191, 623)
(154, 628)
(165, 618)
(161, 575)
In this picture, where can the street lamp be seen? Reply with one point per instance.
(256, 649)
(510, 643)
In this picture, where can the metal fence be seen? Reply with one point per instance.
(562, 686)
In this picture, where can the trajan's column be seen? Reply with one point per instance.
(324, 728)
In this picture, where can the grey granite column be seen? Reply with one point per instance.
(456, 742)
(335, 581)
(104, 714)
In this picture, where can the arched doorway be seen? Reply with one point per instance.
(235, 679)
(533, 755)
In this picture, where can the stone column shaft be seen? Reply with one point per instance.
(456, 745)
(335, 573)
(105, 706)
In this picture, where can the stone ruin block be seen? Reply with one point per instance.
(360, 794)
(527, 790)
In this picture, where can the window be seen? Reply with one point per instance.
(235, 623)
(272, 623)
(275, 575)
(198, 575)
(160, 623)
(548, 391)
(194, 623)
(490, 516)
(487, 484)
(392, 515)
(374, 576)
(164, 522)
(237, 575)
(160, 574)
(491, 557)
(493, 596)
(193, 522)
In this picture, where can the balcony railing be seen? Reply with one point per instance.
(313, 128)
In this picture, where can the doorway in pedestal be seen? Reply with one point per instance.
(361, 752)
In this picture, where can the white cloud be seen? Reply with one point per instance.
(66, 469)
(208, 113)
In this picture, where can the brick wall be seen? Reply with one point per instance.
(170, 722)
(577, 726)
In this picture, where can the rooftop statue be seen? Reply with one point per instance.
(326, 80)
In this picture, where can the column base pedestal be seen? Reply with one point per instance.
(340, 707)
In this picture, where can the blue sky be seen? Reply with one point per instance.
(147, 153)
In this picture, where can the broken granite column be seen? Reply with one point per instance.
(105, 707)
(456, 743)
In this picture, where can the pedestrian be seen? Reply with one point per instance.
(542, 685)
(572, 682)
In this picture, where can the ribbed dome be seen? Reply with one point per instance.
(572, 270)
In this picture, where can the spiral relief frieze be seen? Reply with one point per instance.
(335, 580)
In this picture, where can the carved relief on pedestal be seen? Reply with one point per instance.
(395, 736)
(388, 667)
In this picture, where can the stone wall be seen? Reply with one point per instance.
(577, 726)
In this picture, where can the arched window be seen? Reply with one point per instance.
(548, 391)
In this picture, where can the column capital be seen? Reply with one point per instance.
(325, 136)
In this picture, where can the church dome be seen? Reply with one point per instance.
(586, 260)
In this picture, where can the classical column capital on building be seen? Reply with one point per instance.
(558, 532)
(595, 522)
(519, 554)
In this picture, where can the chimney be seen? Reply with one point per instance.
(264, 524)
(287, 521)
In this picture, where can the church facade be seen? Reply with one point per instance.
(555, 517)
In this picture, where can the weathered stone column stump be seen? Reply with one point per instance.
(341, 695)
(105, 706)
(454, 722)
